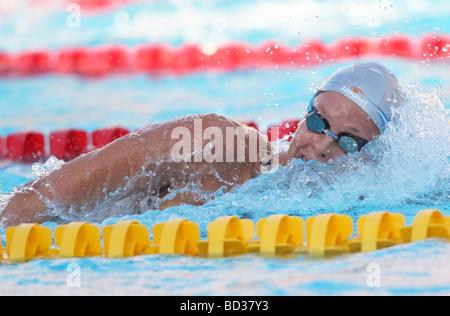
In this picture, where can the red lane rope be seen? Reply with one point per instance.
(103, 4)
(30, 146)
(165, 59)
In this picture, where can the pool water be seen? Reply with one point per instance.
(411, 172)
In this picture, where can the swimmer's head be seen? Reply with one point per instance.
(353, 106)
(372, 86)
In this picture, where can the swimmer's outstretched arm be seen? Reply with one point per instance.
(144, 155)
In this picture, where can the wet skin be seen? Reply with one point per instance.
(86, 181)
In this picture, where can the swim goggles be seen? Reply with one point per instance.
(318, 124)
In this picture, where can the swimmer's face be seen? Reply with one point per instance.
(344, 116)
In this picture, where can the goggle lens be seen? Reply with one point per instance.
(315, 123)
(348, 144)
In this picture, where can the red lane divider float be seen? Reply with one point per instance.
(68, 144)
(94, 5)
(103, 137)
(25, 146)
(92, 62)
(162, 59)
(29, 147)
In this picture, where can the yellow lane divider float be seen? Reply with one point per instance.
(326, 235)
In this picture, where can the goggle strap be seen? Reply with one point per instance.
(311, 103)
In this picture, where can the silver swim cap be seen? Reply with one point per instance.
(372, 86)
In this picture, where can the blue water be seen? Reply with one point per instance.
(412, 172)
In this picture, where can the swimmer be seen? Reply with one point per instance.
(351, 108)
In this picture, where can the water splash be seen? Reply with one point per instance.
(41, 170)
(407, 165)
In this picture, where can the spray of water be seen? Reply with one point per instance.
(408, 164)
